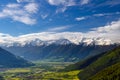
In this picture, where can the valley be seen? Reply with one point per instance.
(100, 66)
(41, 71)
(59, 40)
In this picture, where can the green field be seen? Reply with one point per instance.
(41, 71)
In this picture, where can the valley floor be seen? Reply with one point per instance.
(42, 71)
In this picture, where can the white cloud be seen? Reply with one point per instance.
(44, 16)
(46, 36)
(101, 35)
(19, 1)
(56, 29)
(24, 19)
(19, 12)
(31, 7)
(113, 26)
(54, 2)
(63, 9)
(83, 2)
(80, 18)
(96, 15)
(13, 6)
(106, 14)
(62, 4)
(110, 3)
(110, 31)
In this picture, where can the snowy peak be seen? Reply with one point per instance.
(40, 39)
(62, 42)
(38, 42)
(96, 41)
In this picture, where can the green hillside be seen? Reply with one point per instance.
(83, 64)
(95, 64)
(109, 73)
(108, 59)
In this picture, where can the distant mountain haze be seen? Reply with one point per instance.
(8, 60)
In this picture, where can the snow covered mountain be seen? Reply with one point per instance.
(64, 46)
(40, 39)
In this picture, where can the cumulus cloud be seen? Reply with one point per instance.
(20, 13)
(110, 31)
(6, 38)
(113, 26)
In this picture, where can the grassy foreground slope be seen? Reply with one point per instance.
(109, 73)
(108, 59)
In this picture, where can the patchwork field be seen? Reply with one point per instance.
(41, 71)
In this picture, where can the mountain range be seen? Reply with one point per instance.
(39, 42)
(38, 39)
(56, 46)
(55, 52)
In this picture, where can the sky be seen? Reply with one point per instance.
(21, 17)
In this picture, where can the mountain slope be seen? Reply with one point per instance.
(83, 64)
(110, 58)
(109, 73)
(9, 60)
(98, 64)
(1, 78)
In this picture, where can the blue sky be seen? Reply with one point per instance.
(19, 17)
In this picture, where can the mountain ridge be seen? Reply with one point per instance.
(8, 60)
(53, 52)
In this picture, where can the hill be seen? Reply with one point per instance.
(83, 64)
(93, 65)
(110, 58)
(109, 73)
(9, 60)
